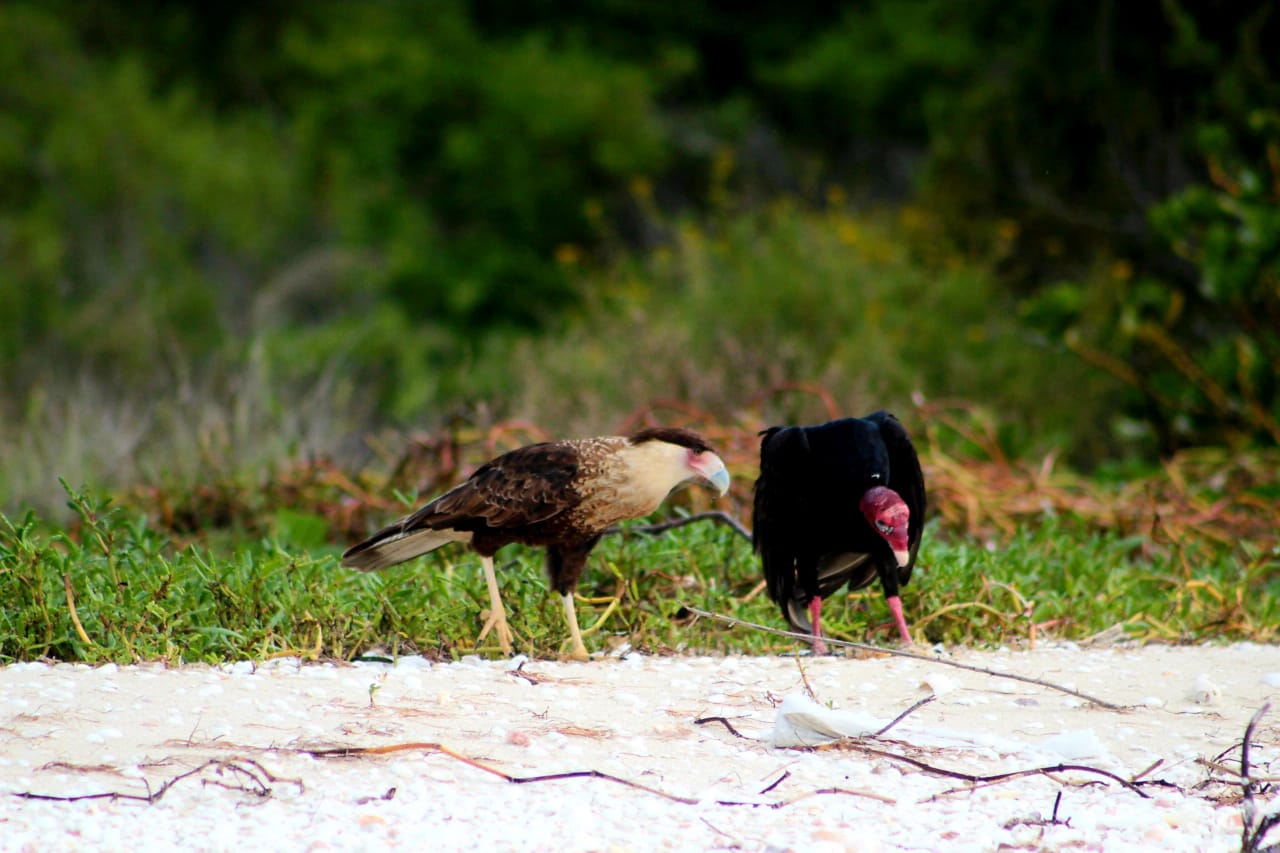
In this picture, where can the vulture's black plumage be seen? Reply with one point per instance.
(835, 504)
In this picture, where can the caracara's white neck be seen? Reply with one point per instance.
(655, 468)
(640, 477)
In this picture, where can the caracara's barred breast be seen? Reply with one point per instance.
(625, 479)
(602, 485)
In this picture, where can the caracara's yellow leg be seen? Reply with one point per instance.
(571, 616)
(497, 613)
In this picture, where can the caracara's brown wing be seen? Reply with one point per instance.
(520, 488)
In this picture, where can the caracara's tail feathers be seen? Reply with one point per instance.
(394, 545)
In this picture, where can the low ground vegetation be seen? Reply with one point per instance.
(1013, 553)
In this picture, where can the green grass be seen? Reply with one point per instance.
(138, 596)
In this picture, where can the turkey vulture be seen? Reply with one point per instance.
(842, 502)
(560, 495)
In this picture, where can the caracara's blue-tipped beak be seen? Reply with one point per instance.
(719, 478)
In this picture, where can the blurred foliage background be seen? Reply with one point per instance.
(236, 232)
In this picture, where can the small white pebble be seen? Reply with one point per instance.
(102, 735)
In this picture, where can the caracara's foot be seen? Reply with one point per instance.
(497, 622)
(579, 654)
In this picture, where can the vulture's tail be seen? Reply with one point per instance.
(834, 572)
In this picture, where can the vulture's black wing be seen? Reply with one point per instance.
(906, 478)
(781, 500)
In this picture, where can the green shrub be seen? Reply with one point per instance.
(466, 162)
(735, 311)
(1199, 355)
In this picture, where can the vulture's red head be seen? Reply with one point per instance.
(889, 516)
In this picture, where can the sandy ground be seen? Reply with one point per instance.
(70, 731)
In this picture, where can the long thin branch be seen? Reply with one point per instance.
(347, 752)
(663, 526)
(996, 777)
(353, 751)
(1102, 703)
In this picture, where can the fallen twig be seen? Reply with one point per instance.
(776, 782)
(804, 679)
(848, 743)
(1135, 777)
(1254, 830)
(389, 794)
(720, 831)
(925, 701)
(519, 672)
(1219, 767)
(423, 746)
(663, 526)
(256, 775)
(82, 768)
(780, 804)
(1102, 703)
(1040, 821)
(702, 721)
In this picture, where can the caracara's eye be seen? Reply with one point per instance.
(884, 527)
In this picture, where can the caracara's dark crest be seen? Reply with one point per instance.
(561, 495)
(837, 504)
(672, 435)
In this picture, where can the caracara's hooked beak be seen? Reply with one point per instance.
(710, 467)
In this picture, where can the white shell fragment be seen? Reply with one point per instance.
(803, 722)
(938, 684)
(1204, 692)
